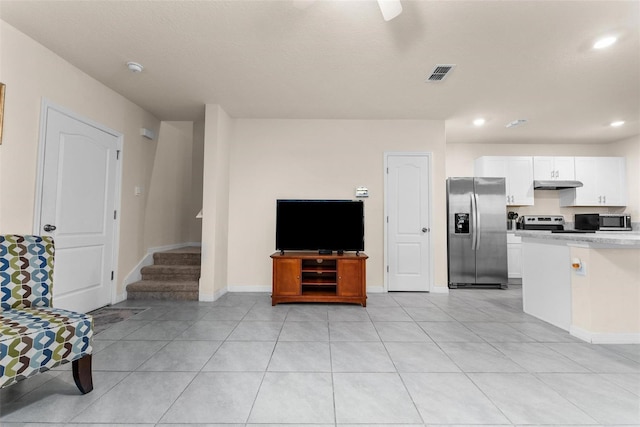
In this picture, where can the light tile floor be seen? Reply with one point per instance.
(471, 357)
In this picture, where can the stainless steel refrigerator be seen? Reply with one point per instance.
(476, 231)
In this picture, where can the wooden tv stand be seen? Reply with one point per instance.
(311, 277)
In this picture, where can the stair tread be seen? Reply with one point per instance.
(163, 286)
(185, 250)
(180, 269)
(164, 296)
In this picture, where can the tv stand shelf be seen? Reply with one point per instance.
(312, 277)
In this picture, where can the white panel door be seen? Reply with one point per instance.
(77, 209)
(408, 228)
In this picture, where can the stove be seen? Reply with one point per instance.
(541, 222)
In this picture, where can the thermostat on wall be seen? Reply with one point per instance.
(362, 192)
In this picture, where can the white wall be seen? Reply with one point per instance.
(215, 204)
(630, 148)
(31, 73)
(169, 213)
(197, 164)
(272, 159)
(606, 301)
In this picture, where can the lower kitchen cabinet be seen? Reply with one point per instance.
(514, 256)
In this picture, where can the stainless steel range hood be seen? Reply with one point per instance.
(555, 185)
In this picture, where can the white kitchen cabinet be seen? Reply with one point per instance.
(518, 172)
(553, 168)
(604, 182)
(514, 256)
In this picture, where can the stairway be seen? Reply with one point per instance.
(173, 276)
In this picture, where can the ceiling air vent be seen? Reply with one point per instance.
(439, 72)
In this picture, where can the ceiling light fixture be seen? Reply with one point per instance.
(516, 123)
(605, 42)
(617, 123)
(390, 8)
(134, 67)
(479, 121)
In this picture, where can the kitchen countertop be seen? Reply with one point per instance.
(617, 238)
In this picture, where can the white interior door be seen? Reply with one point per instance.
(77, 208)
(408, 222)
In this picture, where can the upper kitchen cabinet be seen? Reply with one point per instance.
(518, 171)
(553, 168)
(604, 179)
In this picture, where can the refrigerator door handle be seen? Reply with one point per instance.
(474, 235)
(477, 230)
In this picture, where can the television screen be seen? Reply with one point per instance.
(322, 225)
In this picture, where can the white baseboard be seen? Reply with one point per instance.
(135, 275)
(120, 297)
(605, 337)
(210, 297)
(381, 290)
(251, 288)
(439, 289)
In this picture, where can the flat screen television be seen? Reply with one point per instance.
(320, 225)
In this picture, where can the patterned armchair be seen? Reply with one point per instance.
(34, 336)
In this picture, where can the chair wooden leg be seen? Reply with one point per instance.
(82, 373)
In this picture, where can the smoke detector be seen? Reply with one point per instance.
(515, 123)
(134, 67)
(439, 72)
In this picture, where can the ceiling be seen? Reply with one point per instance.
(339, 59)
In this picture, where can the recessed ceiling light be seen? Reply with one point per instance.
(134, 67)
(605, 42)
(617, 123)
(479, 121)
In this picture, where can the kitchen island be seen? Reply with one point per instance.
(599, 301)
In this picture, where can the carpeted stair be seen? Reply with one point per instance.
(173, 276)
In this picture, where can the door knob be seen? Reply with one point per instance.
(49, 227)
(424, 229)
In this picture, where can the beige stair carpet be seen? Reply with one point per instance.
(173, 276)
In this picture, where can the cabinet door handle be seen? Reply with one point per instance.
(604, 199)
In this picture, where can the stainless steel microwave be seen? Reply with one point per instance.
(603, 222)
